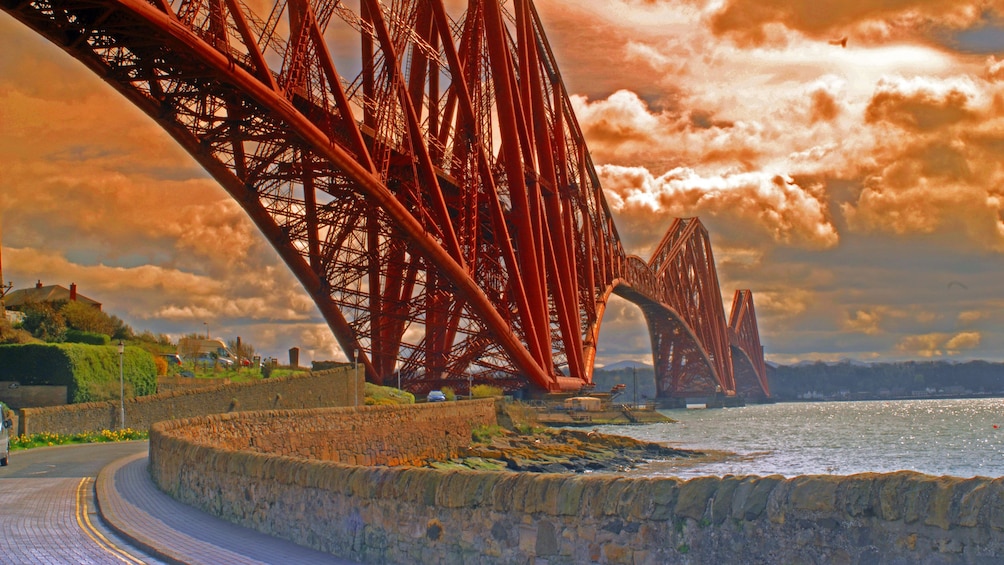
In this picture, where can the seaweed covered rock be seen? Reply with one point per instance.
(549, 450)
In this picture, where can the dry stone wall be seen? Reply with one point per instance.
(310, 390)
(387, 514)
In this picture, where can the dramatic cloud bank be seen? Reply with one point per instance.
(845, 156)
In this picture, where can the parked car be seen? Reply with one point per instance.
(205, 352)
(209, 360)
(436, 396)
(6, 423)
(172, 359)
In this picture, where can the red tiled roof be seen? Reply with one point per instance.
(36, 295)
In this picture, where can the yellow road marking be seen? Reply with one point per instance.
(84, 521)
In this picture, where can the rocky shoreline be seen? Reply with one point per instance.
(550, 450)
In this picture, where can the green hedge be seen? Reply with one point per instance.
(89, 372)
(91, 338)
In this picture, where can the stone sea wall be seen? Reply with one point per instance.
(309, 390)
(367, 435)
(378, 514)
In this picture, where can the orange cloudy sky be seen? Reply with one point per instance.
(856, 187)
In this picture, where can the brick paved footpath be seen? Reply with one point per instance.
(49, 514)
(44, 529)
(132, 506)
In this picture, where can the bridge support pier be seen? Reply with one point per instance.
(682, 368)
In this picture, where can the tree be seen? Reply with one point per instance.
(85, 318)
(146, 336)
(188, 346)
(122, 330)
(241, 349)
(44, 322)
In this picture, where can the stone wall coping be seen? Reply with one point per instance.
(84, 406)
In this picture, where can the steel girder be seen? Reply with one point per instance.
(678, 292)
(747, 352)
(440, 207)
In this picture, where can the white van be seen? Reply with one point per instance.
(6, 422)
(205, 351)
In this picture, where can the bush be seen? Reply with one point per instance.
(486, 391)
(44, 322)
(449, 393)
(384, 395)
(86, 318)
(161, 365)
(90, 338)
(12, 335)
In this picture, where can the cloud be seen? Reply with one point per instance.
(939, 344)
(622, 118)
(623, 333)
(935, 161)
(778, 305)
(157, 293)
(921, 104)
(757, 22)
(864, 321)
(771, 206)
(825, 107)
(994, 71)
(964, 340)
(971, 316)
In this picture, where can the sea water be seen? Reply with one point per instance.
(958, 437)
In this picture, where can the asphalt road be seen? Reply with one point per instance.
(47, 508)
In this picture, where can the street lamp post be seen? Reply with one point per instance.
(121, 387)
(355, 373)
(634, 371)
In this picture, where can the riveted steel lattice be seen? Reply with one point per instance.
(423, 176)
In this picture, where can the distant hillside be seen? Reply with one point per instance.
(849, 379)
(625, 373)
(621, 365)
(840, 380)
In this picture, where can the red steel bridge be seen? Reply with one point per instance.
(423, 175)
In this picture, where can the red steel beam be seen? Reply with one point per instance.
(506, 259)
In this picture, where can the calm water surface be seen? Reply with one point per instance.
(938, 437)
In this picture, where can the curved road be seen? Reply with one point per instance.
(47, 508)
(48, 514)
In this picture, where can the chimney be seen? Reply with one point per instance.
(73, 291)
(38, 284)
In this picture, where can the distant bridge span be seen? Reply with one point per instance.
(430, 186)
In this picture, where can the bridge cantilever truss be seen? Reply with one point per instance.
(432, 191)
